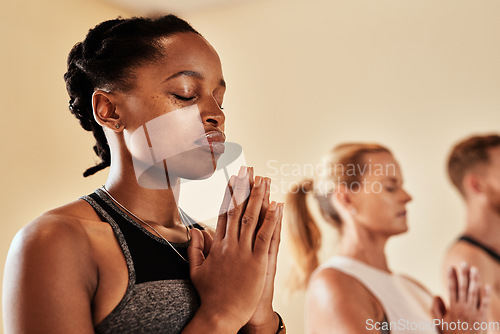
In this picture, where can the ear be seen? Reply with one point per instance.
(343, 197)
(104, 109)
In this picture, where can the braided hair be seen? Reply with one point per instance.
(106, 59)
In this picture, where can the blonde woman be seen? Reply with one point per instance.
(360, 193)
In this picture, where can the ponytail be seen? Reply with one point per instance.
(305, 233)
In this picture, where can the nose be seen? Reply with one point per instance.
(406, 197)
(211, 113)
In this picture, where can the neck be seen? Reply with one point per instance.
(156, 206)
(483, 224)
(364, 245)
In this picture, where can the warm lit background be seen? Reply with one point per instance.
(302, 76)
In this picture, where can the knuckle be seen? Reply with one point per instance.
(254, 193)
(247, 219)
(270, 216)
(232, 213)
(263, 237)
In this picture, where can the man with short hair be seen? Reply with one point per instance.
(474, 169)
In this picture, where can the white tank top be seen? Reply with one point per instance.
(406, 305)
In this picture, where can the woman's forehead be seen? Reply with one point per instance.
(188, 48)
(183, 53)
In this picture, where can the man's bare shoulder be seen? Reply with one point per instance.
(474, 256)
(464, 252)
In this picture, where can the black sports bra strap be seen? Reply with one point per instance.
(476, 243)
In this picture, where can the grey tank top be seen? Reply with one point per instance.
(160, 297)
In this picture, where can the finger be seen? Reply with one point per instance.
(265, 201)
(250, 177)
(251, 216)
(195, 250)
(485, 300)
(473, 293)
(207, 243)
(241, 189)
(220, 230)
(265, 204)
(463, 282)
(275, 241)
(240, 193)
(250, 183)
(453, 285)
(265, 233)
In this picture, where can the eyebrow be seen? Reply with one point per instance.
(391, 179)
(193, 74)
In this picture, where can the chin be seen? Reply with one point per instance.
(198, 174)
(397, 228)
(156, 176)
(193, 165)
(401, 229)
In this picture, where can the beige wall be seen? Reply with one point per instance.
(44, 151)
(302, 76)
(414, 75)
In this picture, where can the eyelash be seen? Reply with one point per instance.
(183, 98)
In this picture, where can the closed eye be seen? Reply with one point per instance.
(183, 98)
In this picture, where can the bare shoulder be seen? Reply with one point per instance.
(335, 298)
(50, 263)
(340, 288)
(54, 239)
(464, 252)
(59, 226)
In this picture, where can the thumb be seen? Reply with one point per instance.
(195, 250)
(438, 308)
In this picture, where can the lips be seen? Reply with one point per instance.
(401, 213)
(212, 141)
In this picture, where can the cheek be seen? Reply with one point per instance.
(377, 206)
(140, 110)
(175, 132)
(172, 143)
(493, 191)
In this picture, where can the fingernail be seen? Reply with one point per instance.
(487, 288)
(272, 206)
(473, 270)
(463, 264)
(257, 182)
(243, 172)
